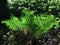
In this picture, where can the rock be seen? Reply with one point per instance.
(54, 40)
(49, 43)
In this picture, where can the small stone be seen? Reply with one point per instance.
(39, 40)
(59, 44)
(4, 37)
(49, 43)
(54, 40)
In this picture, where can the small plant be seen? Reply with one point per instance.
(36, 25)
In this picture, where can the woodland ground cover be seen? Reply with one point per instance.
(33, 22)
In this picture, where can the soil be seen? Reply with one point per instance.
(50, 38)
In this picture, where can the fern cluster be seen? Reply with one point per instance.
(36, 25)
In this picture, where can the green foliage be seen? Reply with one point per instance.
(43, 23)
(36, 25)
(15, 24)
(36, 5)
(58, 35)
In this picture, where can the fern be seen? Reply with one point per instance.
(43, 24)
(37, 25)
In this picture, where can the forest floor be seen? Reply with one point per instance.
(51, 38)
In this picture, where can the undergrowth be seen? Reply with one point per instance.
(37, 25)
